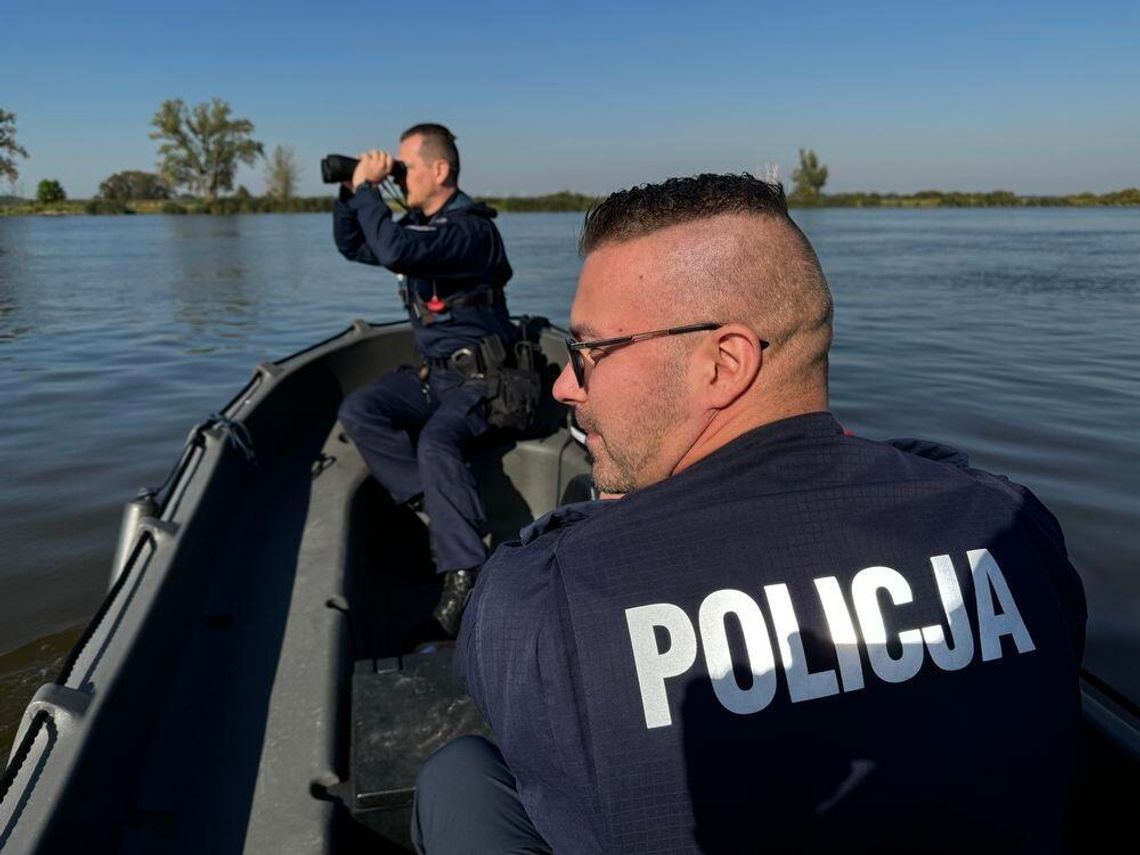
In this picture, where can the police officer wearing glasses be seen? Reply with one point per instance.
(781, 638)
(452, 267)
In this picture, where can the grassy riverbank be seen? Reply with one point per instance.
(227, 205)
(956, 199)
(566, 201)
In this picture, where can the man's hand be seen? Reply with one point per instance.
(374, 166)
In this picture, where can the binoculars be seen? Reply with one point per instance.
(336, 168)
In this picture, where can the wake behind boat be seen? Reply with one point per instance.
(248, 684)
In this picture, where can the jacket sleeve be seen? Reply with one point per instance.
(1066, 581)
(510, 605)
(1048, 540)
(347, 234)
(463, 245)
(513, 589)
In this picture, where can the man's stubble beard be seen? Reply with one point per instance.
(614, 473)
(620, 464)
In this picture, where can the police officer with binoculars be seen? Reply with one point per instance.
(452, 267)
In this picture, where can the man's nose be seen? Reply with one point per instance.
(566, 388)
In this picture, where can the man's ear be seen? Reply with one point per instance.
(442, 171)
(731, 361)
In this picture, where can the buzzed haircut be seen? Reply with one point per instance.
(768, 276)
(647, 208)
(438, 144)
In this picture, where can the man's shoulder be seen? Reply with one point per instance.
(815, 470)
(538, 542)
(550, 526)
(475, 210)
(952, 464)
(821, 472)
(463, 209)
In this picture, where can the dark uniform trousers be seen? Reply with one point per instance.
(412, 436)
(467, 802)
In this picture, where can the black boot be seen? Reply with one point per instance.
(457, 587)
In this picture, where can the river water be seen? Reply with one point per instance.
(1012, 334)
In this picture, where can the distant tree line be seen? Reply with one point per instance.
(201, 148)
(809, 179)
(990, 199)
(238, 203)
(564, 200)
(246, 203)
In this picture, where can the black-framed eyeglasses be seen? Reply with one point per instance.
(578, 361)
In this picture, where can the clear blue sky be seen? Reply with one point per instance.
(1039, 97)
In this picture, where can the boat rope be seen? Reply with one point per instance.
(89, 631)
(21, 754)
(236, 434)
(176, 470)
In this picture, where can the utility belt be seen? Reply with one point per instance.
(430, 311)
(467, 361)
(513, 377)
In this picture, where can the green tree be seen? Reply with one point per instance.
(133, 184)
(281, 173)
(202, 147)
(809, 178)
(49, 191)
(9, 148)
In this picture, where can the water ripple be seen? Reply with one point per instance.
(1011, 334)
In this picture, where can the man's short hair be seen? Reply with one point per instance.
(642, 210)
(438, 144)
(789, 304)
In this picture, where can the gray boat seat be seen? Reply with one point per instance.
(403, 710)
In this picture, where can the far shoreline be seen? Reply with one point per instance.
(561, 202)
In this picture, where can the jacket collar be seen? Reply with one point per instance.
(761, 439)
(458, 200)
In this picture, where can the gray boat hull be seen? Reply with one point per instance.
(209, 699)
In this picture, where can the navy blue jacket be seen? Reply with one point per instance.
(804, 641)
(455, 251)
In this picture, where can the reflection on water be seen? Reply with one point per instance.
(1010, 334)
(218, 290)
(12, 324)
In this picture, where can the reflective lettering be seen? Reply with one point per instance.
(654, 667)
(864, 594)
(718, 657)
(802, 684)
(842, 632)
(861, 623)
(991, 627)
(945, 657)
